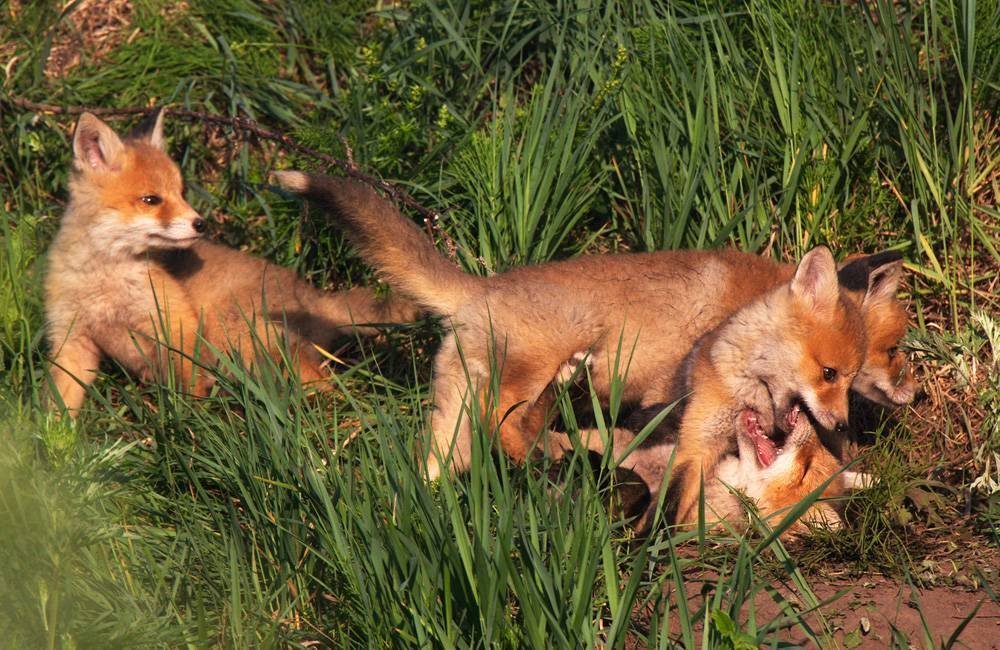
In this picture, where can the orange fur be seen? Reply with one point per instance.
(802, 468)
(766, 357)
(537, 317)
(128, 279)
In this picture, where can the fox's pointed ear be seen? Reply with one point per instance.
(150, 129)
(95, 145)
(815, 280)
(884, 277)
(872, 277)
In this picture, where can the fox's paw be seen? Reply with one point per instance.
(792, 417)
(570, 371)
(858, 480)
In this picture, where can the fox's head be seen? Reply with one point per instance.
(802, 467)
(818, 344)
(128, 193)
(872, 281)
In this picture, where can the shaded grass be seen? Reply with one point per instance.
(286, 533)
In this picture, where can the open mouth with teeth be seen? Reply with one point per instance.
(768, 445)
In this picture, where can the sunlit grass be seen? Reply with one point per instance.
(263, 516)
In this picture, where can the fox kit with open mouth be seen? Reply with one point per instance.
(128, 275)
(870, 282)
(800, 468)
(797, 470)
(745, 384)
(798, 347)
(533, 319)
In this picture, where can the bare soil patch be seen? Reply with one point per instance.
(868, 612)
(91, 29)
(867, 615)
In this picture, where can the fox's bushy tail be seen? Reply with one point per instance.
(390, 242)
(357, 308)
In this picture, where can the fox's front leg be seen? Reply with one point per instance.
(184, 357)
(73, 369)
(706, 434)
(167, 343)
(178, 346)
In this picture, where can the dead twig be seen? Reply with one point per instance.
(348, 167)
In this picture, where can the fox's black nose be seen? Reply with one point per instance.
(199, 224)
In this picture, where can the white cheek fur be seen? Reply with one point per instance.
(112, 233)
(180, 229)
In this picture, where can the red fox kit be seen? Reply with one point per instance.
(872, 281)
(127, 272)
(535, 318)
(799, 346)
(869, 283)
(801, 467)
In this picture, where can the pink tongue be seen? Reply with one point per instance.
(766, 451)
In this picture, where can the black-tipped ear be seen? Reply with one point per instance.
(877, 276)
(853, 276)
(884, 277)
(815, 280)
(150, 129)
(95, 146)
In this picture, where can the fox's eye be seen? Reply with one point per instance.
(829, 374)
(151, 199)
(892, 352)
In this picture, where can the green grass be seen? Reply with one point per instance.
(262, 517)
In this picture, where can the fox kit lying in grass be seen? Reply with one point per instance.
(127, 273)
(807, 342)
(800, 468)
(797, 347)
(869, 283)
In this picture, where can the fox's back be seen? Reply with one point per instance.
(661, 302)
(668, 288)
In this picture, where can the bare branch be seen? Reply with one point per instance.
(348, 167)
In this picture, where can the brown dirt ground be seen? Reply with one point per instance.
(91, 30)
(887, 604)
(868, 611)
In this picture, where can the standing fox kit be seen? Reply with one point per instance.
(129, 279)
(798, 347)
(744, 384)
(799, 342)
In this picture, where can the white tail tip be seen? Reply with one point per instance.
(291, 180)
